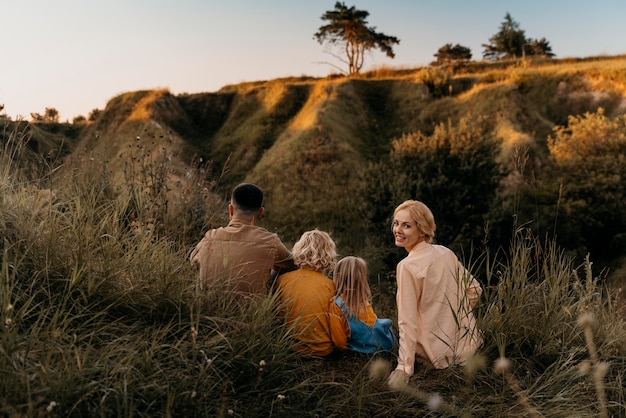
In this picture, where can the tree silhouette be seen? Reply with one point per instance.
(507, 43)
(510, 43)
(93, 115)
(348, 28)
(455, 56)
(539, 47)
(51, 115)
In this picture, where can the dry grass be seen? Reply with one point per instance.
(97, 320)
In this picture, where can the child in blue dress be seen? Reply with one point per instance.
(352, 307)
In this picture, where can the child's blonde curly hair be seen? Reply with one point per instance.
(315, 250)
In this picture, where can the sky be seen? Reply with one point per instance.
(76, 55)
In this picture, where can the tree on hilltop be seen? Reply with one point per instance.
(347, 28)
(79, 120)
(93, 115)
(510, 43)
(507, 43)
(455, 56)
(539, 47)
(51, 115)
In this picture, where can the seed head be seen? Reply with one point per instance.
(601, 370)
(502, 365)
(379, 369)
(435, 401)
(474, 364)
(586, 320)
(584, 367)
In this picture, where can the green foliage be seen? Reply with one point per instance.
(348, 28)
(508, 42)
(14, 139)
(577, 198)
(80, 119)
(252, 126)
(303, 188)
(455, 56)
(51, 115)
(453, 171)
(438, 81)
(93, 115)
(589, 158)
(511, 43)
(538, 48)
(256, 131)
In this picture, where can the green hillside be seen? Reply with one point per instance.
(523, 165)
(317, 146)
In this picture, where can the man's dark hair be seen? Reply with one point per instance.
(247, 197)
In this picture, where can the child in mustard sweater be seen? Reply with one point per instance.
(304, 296)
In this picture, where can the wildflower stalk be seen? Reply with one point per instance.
(599, 368)
(503, 366)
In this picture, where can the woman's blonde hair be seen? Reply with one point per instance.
(350, 278)
(422, 216)
(315, 250)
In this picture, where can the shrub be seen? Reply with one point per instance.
(437, 80)
(453, 171)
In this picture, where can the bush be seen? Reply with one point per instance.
(453, 171)
(578, 198)
(437, 80)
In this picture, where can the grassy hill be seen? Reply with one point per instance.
(329, 152)
(312, 144)
(525, 162)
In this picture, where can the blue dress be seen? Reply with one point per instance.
(366, 339)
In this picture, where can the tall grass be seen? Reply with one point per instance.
(97, 320)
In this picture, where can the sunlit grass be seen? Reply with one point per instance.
(97, 319)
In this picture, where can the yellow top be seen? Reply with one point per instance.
(305, 297)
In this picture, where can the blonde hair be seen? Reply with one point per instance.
(315, 250)
(350, 278)
(422, 216)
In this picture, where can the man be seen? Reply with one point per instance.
(242, 256)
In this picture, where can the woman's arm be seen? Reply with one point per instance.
(407, 299)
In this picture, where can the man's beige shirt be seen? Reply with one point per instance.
(240, 257)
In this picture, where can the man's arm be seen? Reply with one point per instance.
(283, 259)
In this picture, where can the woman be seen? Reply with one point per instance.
(305, 295)
(435, 296)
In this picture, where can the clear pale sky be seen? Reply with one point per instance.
(75, 55)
